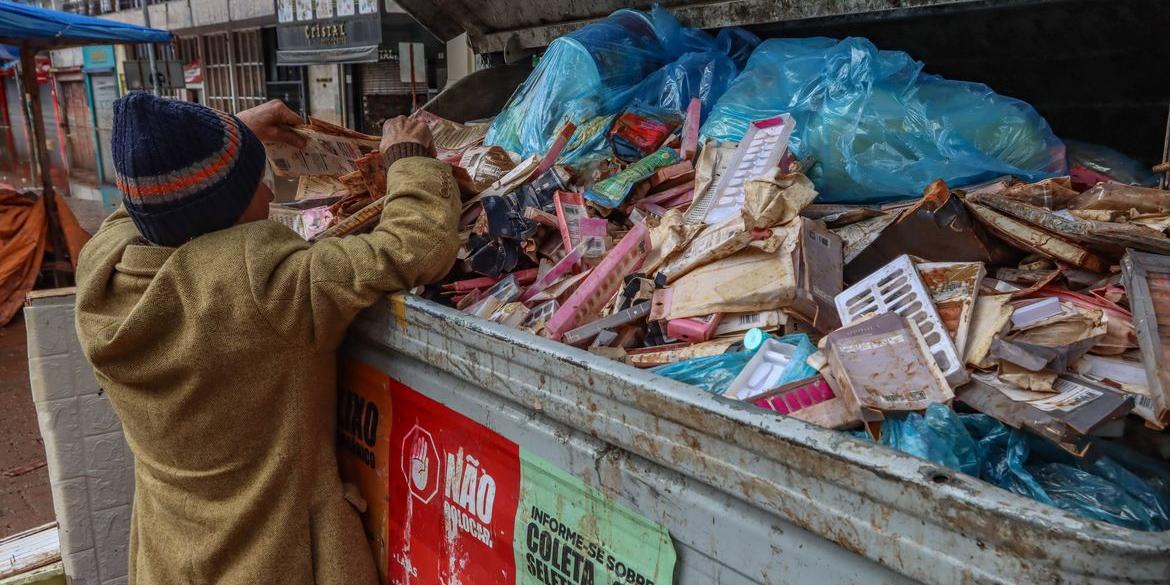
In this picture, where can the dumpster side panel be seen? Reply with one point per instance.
(648, 435)
(718, 539)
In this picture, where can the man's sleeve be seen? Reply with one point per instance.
(316, 291)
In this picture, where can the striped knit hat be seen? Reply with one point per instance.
(184, 169)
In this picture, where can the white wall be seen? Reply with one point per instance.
(460, 59)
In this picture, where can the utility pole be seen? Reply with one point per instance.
(150, 48)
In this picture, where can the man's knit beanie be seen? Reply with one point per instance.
(184, 169)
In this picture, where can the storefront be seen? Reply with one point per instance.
(101, 81)
(411, 67)
(358, 75)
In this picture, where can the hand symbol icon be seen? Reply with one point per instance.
(420, 464)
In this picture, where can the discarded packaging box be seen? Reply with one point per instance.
(1077, 409)
(1147, 282)
(954, 288)
(883, 364)
(796, 396)
(801, 278)
(817, 259)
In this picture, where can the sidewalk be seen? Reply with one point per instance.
(25, 500)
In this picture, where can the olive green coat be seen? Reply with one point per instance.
(219, 357)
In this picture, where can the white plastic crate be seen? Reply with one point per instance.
(897, 288)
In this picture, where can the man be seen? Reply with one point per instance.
(214, 333)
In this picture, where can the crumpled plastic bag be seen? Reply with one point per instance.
(592, 74)
(715, 373)
(1113, 163)
(733, 41)
(1132, 495)
(711, 373)
(878, 127)
(584, 75)
(938, 436)
(705, 75)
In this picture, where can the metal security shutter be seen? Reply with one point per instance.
(13, 136)
(77, 126)
(105, 92)
(384, 95)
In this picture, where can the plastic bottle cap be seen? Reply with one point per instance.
(754, 338)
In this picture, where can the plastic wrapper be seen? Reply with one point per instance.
(711, 373)
(1131, 495)
(879, 128)
(763, 373)
(735, 42)
(738, 44)
(1107, 161)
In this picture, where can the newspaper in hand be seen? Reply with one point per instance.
(325, 154)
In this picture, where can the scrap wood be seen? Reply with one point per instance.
(1105, 236)
(1036, 240)
(23, 469)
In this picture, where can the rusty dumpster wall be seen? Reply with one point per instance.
(748, 497)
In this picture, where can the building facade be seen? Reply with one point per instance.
(232, 55)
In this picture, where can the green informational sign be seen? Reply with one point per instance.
(567, 532)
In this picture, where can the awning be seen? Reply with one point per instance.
(41, 28)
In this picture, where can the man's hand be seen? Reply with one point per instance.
(273, 122)
(402, 129)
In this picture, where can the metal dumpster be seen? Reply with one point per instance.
(747, 496)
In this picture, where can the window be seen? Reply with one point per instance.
(249, 61)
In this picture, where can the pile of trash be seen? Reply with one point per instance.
(656, 196)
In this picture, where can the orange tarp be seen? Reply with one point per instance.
(24, 237)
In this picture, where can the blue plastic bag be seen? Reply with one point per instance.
(711, 373)
(981, 446)
(738, 44)
(939, 437)
(878, 127)
(583, 76)
(705, 75)
(596, 71)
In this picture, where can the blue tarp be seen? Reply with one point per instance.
(9, 53)
(41, 28)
